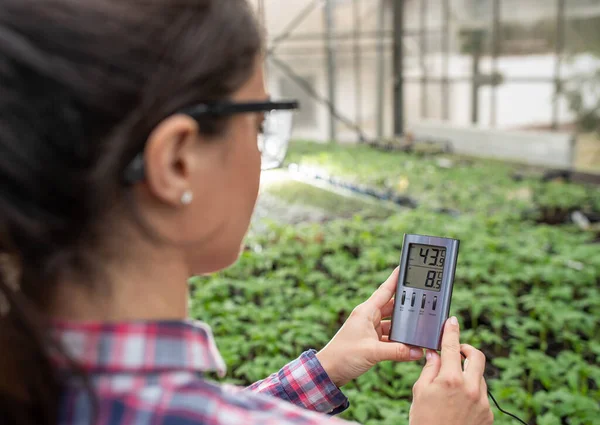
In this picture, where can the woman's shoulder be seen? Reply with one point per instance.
(183, 399)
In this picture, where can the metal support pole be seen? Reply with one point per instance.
(330, 68)
(262, 17)
(560, 46)
(495, 53)
(422, 58)
(535, 79)
(398, 68)
(475, 90)
(261, 13)
(340, 51)
(476, 46)
(380, 73)
(357, 63)
(446, 60)
(346, 36)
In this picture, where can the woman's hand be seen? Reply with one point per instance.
(363, 340)
(445, 393)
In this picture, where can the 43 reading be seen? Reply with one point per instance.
(425, 267)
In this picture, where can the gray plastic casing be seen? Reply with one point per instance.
(416, 326)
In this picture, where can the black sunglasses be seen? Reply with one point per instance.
(134, 172)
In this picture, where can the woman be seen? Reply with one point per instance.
(129, 162)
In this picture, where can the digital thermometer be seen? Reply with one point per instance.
(424, 290)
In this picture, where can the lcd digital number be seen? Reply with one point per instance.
(425, 268)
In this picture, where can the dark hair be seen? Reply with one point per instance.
(82, 85)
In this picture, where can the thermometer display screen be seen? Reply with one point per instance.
(425, 267)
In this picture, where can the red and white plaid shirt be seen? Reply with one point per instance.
(151, 373)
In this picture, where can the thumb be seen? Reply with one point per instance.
(432, 367)
(397, 352)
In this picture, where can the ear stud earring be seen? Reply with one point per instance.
(187, 197)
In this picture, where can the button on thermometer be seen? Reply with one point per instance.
(424, 290)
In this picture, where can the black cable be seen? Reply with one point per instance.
(497, 405)
(504, 411)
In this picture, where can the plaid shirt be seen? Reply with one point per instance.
(151, 373)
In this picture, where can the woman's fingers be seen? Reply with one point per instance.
(476, 363)
(483, 387)
(394, 351)
(385, 292)
(388, 309)
(385, 327)
(451, 359)
(430, 370)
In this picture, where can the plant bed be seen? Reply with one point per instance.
(526, 293)
(447, 183)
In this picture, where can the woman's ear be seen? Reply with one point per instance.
(170, 158)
